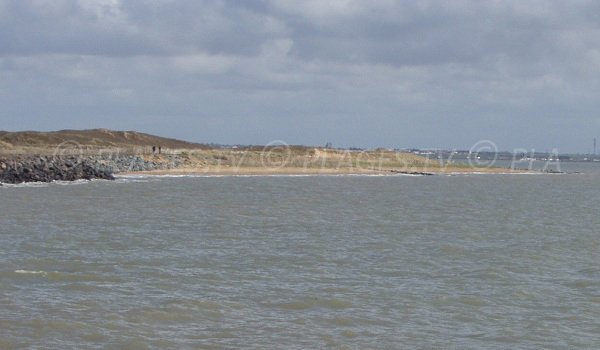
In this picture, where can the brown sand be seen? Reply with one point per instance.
(230, 170)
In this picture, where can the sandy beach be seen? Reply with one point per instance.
(228, 170)
(100, 153)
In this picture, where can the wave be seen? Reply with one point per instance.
(25, 184)
(127, 178)
(61, 276)
(310, 303)
(31, 272)
(156, 176)
(52, 183)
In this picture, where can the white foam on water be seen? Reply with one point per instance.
(140, 177)
(75, 182)
(52, 183)
(145, 177)
(301, 175)
(26, 184)
(31, 272)
(161, 176)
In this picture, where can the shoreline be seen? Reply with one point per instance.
(263, 171)
(38, 168)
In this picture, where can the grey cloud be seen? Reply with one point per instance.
(434, 34)
(404, 33)
(391, 73)
(131, 28)
(67, 28)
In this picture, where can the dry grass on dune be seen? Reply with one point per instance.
(193, 157)
(87, 140)
(311, 160)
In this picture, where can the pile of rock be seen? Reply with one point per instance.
(19, 169)
(124, 163)
(47, 169)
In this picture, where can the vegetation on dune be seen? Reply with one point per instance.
(93, 140)
(107, 143)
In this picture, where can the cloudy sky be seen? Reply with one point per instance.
(439, 74)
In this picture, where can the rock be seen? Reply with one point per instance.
(29, 169)
(102, 166)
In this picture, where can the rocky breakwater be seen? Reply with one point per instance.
(20, 169)
(120, 163)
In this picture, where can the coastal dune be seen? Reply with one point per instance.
(100, 153)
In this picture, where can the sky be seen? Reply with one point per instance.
(399, 74)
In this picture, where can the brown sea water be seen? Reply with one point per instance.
(392, 262)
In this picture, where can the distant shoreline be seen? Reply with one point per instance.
(100, 153)
(35, 168)
(325, 171)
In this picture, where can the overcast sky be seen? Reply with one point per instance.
(439, 74)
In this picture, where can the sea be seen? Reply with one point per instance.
(476, 261)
